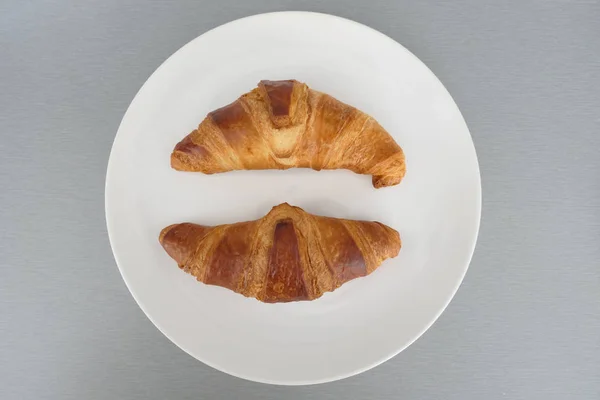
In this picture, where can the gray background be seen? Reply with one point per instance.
(525, 324)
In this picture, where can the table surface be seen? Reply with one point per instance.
(525, 323)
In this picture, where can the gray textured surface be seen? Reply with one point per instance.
(525, 323)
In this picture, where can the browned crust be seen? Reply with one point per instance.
(279, 100)
(284, 280)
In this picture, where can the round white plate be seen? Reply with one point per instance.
(436, 208)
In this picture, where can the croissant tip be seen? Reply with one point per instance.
(380, 181)
(164, 232)
(179, 240)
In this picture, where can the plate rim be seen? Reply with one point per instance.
(333, 377)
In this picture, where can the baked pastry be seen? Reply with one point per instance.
(287, 255)
(285, 124)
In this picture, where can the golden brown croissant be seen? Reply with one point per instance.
(287, 255)
(285, 124)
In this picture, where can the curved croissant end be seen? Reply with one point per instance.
(288, 255)
(179, 240)
(285, 124)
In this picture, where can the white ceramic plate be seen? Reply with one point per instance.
(436, 208)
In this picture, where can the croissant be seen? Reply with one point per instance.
(287, 255)
(285, 124)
